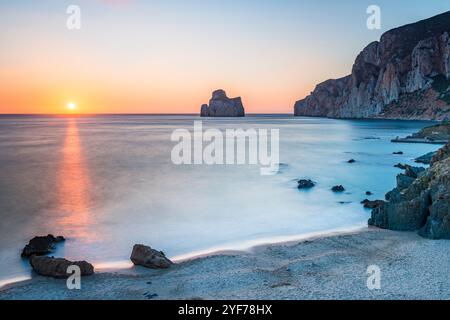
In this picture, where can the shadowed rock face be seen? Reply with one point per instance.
(222, 106)
(421, 200)
(404, 75)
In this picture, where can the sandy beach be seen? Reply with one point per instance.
(328, 267)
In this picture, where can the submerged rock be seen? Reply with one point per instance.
(400, 166)
(421, 201)
(150, 258)
(338, 188)
(305, 184)
(58, 267)
(222, 106)
(41, 245)
(368, 204)
(368, 193)
(413, 172)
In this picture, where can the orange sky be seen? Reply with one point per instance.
(168, 56)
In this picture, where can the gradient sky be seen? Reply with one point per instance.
(167, 56)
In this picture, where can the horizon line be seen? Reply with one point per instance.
(126, 113)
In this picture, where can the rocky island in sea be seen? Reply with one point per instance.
(405, 75)
(222, 106)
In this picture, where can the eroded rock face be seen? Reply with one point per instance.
(222, 106)
(149, 258)
(41, 245)
(371, 204)
(58, 267)
(422, 203)
(404, 75)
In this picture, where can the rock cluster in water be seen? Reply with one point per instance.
(421, 200)
(39, 246)
(47, 266)
(404, 75)
(222, 106)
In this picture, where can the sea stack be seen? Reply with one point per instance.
(222, 106)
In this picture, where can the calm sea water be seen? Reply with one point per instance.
(107, 182)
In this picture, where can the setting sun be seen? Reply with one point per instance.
(71, 106)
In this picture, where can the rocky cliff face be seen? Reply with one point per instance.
(421, 200)
(405, 75)
(222, 106)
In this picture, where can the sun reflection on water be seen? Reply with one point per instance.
(73, 187)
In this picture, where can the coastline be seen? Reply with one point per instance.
(254, 263)
(332, 266)
(127, 267)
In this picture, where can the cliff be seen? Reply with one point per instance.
(405, 75)
(222, 106)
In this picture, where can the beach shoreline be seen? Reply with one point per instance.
(332, 266)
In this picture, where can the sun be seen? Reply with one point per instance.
(71, 105)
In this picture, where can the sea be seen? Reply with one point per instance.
(107, 182)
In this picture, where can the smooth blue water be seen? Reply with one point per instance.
(107, 182)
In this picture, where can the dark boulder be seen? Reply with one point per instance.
(421, 203)
(338, 188)
(41, 245)
(368, 204)
(58, 267)
(305, 184)
(149, 258)
(400, 166)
